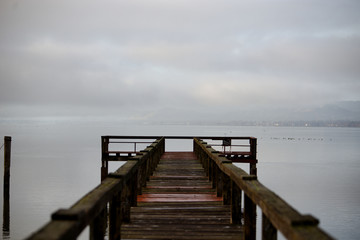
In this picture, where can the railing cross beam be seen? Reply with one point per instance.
(119, 191)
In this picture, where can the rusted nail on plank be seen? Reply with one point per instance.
(68, 214)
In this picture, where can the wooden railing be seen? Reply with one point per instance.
(246, 152)
(118, 192)
(230, 181)
(122, 154)
(108, 205)
(230, 148)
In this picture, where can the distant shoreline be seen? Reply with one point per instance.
(267, 123)
(338, 123)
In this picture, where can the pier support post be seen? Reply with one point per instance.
(269, 232)
(104, 157)
(104, 170)
(249, 218)
(226, 189)
(253, 151)
(219, 182)
(6, 203)
(99, 225)
(235, 203)
(125, 203)
(115, 218)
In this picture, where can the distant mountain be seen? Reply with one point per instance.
(339, 113)
(349, 111)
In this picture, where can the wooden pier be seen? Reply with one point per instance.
(180, 202)
(180, 195)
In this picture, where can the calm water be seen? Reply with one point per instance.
(54, 163)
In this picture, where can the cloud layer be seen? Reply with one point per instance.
(118, 57)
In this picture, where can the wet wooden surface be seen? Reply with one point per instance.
(179, 203)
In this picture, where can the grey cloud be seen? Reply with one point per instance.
(120, 55)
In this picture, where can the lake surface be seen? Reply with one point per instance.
(54, 163)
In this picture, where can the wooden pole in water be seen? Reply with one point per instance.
(6, 206)
(7, 155)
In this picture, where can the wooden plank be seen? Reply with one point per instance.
(179, 202)
(154, 204)
(182, 208)
(183, 227)
(282, 216)
(179, 190)
(177, 177)
(178, 198)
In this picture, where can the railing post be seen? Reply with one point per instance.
(141, 177)
(134, 189)
(253, 151)
(249, 218)
(208, 165)
(226, 189)
(99, 225)
(153, 160)
(235, 203)
(104, 157)
(104, 170)
(115, 217)
(213, 173)
(125, 203)
(148, 164)
(269, 232)
(219, 182)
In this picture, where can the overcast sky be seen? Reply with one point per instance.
(138, 58)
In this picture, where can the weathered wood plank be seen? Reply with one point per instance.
(178, 198)
(154, 204)
(179, 202)
(182, 208)
(184, 182)
(280, 214)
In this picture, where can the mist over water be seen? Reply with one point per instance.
(54, 163)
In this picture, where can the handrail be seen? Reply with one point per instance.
(236, 156)
(119, 190)
(277, 214)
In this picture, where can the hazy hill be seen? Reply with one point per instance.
(339, 111)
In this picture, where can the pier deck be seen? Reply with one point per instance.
(158, 194)
(179, 202)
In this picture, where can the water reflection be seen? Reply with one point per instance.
(6, 215)
(289, 164)
(6, 189)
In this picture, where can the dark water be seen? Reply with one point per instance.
(54, 163)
